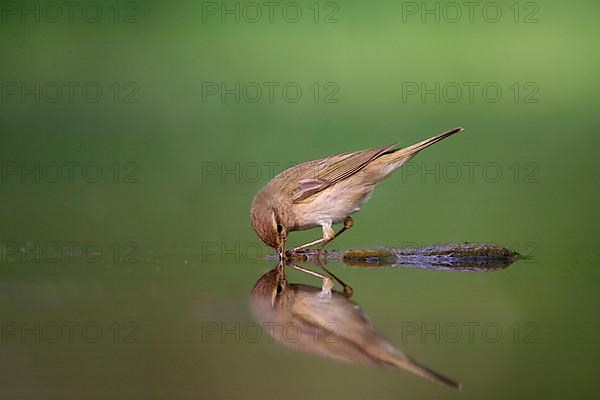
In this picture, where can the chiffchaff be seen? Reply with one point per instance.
(325, 192)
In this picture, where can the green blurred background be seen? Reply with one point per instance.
(173, 247)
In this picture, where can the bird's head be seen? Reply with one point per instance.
(268, 288)
(267, 224)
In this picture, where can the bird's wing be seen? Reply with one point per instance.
(334, 169)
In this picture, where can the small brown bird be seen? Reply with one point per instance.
(325, 192)
(325, 322)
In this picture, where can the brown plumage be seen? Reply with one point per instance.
(325, 192)
(325, 322)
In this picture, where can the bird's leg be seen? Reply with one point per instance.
(348, 223)
(328, 236)
(348, 291)
(310, 272)
(327, 281)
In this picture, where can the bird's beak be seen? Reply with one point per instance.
(281, 248)
(280, 251)
(281, 238)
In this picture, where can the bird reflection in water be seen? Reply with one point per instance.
(326, 322)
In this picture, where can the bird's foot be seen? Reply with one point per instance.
(303, 252)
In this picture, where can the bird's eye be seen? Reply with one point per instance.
(279, 289)
(279, 228)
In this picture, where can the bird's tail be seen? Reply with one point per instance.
(401, 361)
(393, 159)
(410, 151)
